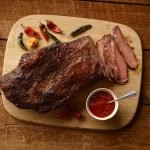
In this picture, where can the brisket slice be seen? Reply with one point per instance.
(125, 48)
(112, 63)
(44, 79)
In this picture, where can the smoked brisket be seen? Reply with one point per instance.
(44, 79)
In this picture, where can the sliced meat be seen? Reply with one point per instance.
(121, 64)
(112, 63)
(100, 47)
(125, 49)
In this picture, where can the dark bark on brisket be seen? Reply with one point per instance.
(44, 79)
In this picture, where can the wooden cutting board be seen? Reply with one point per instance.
(127, 108)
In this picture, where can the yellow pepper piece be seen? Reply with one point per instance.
(33, 42)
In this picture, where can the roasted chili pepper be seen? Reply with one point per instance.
(53, 27)
(47, 34)
(43, 31)
(80, 30)
(31, 32)
(53, 37)
(20, 41)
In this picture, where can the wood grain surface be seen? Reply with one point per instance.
(68, 24)
(135, 16)
(16, 135)
(134, 2)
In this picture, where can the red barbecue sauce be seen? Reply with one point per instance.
(99, 105)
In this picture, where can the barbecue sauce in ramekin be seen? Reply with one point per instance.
(99, 105)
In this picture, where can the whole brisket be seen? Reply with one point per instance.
(44, 79)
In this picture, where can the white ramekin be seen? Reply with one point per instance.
(96, 91)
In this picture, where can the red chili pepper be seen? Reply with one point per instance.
(67, 115)
(78, 115)
(31, 32)
(53, 27)
(64, 116)
(43, 31)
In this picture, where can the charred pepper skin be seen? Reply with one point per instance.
(47, 34)
(20, 41)
(80, 30)
(31, 32)
(53, 27)
(53, 37)
(43, 30)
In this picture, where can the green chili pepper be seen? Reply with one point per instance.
(47, 34)
(20, 41)
(80, 30)
(53, 37)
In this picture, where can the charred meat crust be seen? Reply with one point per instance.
(44, 79)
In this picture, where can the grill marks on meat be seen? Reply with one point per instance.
(111, 61)
(44, 79)
(125, 48)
